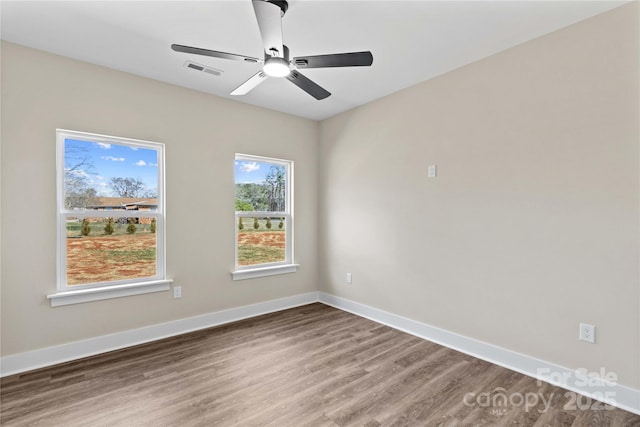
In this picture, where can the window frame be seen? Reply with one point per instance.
(241, 272)
(70, 294)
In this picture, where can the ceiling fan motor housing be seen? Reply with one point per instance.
(276, 66)
(275, 53)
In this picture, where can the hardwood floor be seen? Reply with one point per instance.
(308, 366)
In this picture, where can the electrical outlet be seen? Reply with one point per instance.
(177, 292)
(587, 333)
(349, 278)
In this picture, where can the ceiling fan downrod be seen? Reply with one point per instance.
(282, 4)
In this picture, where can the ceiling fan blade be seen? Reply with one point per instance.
(247, 86)
(269, 17)
(307, 85)
(213, 53)
(353, 59)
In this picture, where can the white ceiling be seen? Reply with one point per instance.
(411, 41)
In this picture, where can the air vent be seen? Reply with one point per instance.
(194, 66)
(203, 68)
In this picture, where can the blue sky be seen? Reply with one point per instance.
(112, 161)
(250, 172)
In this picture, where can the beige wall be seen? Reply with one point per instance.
(532, 224)
(42, 92)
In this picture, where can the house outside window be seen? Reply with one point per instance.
(263, 216)
(111, 223)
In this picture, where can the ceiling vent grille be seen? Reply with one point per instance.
(203, 68)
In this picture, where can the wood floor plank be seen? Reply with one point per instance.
(309, 366)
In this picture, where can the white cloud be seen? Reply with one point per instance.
(113, 159)
(134, 148)
(100, 177)
(249, 167)
(104, 145)
(141, 163)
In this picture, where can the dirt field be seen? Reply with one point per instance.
(94, 259)
(107, 258)
(260, 247)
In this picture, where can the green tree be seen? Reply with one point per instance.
(256, 224)
(268, 224)
(85, 229)
(281, 223)
(243, 205)
(254, 194)
(108, 228)
(265, 196)
(131, 228)
(153, 225)
(240, 224)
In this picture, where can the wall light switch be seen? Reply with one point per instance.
(349, 278)
(432, 171)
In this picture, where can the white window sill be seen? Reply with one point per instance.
(108, 292)
(252, 273)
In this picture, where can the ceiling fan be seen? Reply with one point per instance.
(276, 61)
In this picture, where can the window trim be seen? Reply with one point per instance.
(269, 269)
(108, 292)
(71, 294)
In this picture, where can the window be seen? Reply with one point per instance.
(264, 217)
(110, 217)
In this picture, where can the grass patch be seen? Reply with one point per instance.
(144, 254)
(254, 254)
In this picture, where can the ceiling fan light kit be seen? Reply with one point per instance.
(276, 62)
(276, 67)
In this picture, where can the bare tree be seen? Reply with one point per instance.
(79, 192)
(149, 194)
(128, 187)
(275, 183)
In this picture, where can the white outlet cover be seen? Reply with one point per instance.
(587, 333)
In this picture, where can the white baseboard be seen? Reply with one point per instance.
(49, 356)
(626, 398)
(617, 395)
